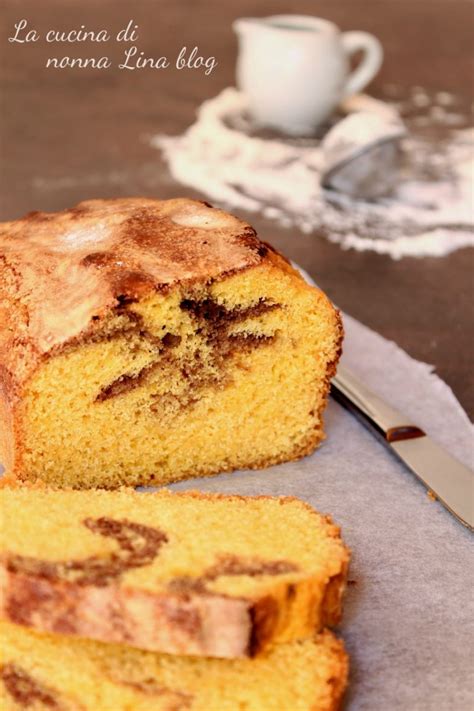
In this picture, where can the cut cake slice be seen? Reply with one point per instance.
(42, 671)
(186, 573)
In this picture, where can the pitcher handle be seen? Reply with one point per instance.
(370, 63)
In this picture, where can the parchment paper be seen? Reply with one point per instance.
(408, 622)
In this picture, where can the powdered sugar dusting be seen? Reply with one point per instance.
(85, 236)
(429, 213)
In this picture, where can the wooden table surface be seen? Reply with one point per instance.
(68, 135)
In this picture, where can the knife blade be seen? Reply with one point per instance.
(449, 480)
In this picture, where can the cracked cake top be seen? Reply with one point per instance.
(60, 271)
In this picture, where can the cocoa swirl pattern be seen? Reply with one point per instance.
(214, 321)
(231, 565)
(64, 268)
(138, 546)
(27, 691)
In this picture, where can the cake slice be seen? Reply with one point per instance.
(40, 671)
(144, 341)
(188, 573)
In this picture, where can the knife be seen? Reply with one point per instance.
(449, 480)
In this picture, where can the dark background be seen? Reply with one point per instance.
(71, 134)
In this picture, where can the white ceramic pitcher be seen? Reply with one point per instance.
(295, 69)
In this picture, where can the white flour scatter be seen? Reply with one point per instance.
(430, 213)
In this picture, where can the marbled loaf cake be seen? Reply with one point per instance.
(190, 573)
(44, 672)
(144, 341)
